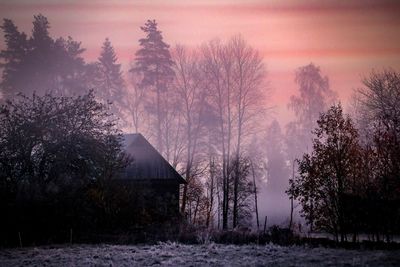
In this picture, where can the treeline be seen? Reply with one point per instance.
(201, 105)
(198, 106)
(205, 110)
(41, 64)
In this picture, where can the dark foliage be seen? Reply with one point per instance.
(326, 175)
(40, 63)
(379, 100)
(346, 188)
(58, 156)
(153, 59)
(153, 63)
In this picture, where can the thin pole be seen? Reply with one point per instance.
(255, 196)
(20, 239)
(265, 224)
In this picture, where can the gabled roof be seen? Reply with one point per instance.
(147, 164)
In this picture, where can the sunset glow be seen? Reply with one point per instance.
(346, 39)
(200, 132)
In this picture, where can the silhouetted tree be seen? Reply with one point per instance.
(52, 150)
(380, 112)
(153, 61)
(242, 196)
(327, 174)
(41, 64)
(13, 56)
(380, 97)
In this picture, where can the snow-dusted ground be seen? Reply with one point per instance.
(172, 254)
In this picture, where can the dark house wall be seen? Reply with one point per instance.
(151, 180)
(159, 197)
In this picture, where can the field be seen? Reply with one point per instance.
(173, 254)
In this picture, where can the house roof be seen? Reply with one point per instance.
(148, 164)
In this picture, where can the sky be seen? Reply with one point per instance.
(347, 39)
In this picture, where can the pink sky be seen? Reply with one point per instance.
(345, 38)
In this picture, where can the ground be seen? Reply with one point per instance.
(173, 254)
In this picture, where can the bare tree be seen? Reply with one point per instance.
(172, 127)
(326, 175)
(235, 77)
(136, 102)
(217, 71)
(315, 97)
(217, 91)
(191, 101)
(380, 98)
(379, 107)
(249, 93)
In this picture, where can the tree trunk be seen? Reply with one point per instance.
(235, 197)
(211, 194)
(291, 213)
(184, 196)
(291, 200)
(265, 224)
(159, 132)
(255, 196)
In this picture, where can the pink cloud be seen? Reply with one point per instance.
(346, 39)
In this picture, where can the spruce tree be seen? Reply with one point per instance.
(110, 84)
(16, 49)
(154, 63)
(40, 63)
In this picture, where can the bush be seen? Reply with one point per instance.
(53, 152)
(281, 236)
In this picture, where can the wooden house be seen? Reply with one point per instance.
(152, 176)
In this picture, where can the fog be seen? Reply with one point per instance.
(226, 114)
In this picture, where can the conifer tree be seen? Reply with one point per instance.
(153, 61)
(12, 56)
(40, 63)
(109, 82)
